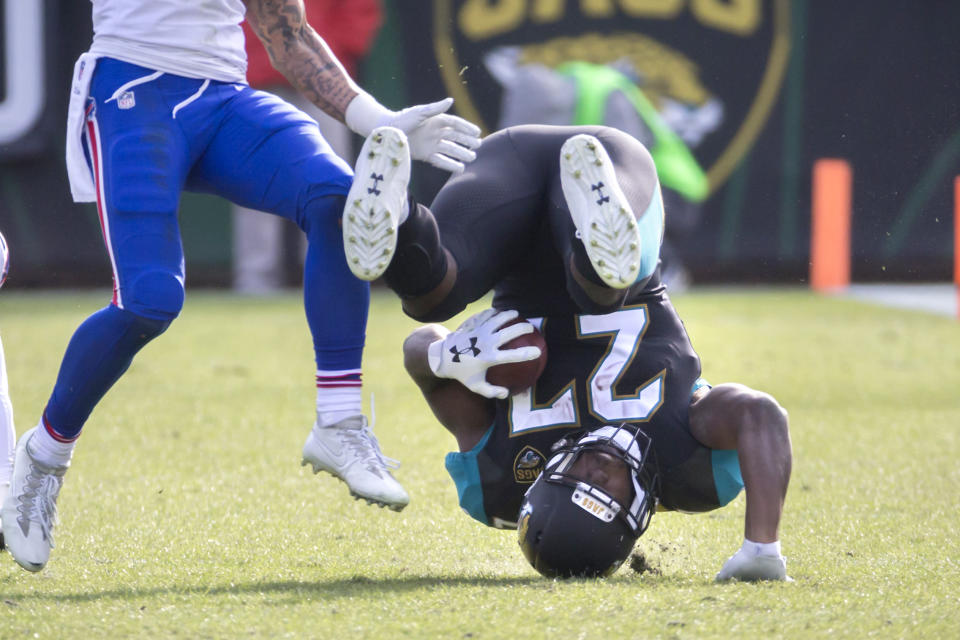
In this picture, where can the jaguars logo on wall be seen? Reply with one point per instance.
(711, 69)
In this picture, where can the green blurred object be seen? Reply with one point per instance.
(677, 168)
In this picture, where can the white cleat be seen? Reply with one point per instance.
(603, 217)
(30, 511)
(350, 451)
(375, 202)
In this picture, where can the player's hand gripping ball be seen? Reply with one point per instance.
(4, 259)
(519, 376)
(490, 354)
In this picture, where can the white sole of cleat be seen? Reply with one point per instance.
(375, 201)
(356, 496)
(600, 211)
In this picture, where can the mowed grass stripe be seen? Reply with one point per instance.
(186, 512)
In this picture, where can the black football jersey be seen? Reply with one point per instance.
(634, 365)
(506, 222)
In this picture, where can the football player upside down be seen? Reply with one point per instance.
(564, 225)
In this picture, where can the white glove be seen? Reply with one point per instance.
(468, 352)
(748, 566)
(445, 141)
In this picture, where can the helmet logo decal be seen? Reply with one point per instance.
(601, 511)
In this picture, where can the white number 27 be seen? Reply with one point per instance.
(625, 329)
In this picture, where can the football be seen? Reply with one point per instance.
(519, 376)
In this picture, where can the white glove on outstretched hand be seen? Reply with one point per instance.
(749, 566)
(445, 141)
(468, 352)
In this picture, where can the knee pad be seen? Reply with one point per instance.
(419, 264)
(157, 295)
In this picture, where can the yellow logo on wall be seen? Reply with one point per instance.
(713, 68)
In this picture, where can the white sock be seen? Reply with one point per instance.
(339, 395)
(761, 548)
(43, 448)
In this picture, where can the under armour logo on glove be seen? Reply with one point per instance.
(485, 333)
(472, 350)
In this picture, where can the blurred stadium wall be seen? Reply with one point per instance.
(759, 89)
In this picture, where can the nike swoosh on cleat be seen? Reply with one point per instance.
(339, 457)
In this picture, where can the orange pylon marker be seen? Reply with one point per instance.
(830, 227)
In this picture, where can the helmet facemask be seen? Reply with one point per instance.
(572, 526)
(630, 446)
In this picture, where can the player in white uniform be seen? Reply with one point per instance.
(158, 105)
(7, 433)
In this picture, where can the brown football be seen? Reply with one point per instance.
(518, 376)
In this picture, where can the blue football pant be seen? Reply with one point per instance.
(148, 137)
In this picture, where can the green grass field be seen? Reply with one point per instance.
(186, 513)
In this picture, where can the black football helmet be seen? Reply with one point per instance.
(568, 527)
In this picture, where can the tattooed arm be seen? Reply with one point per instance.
(445, 141)
(301, 55)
